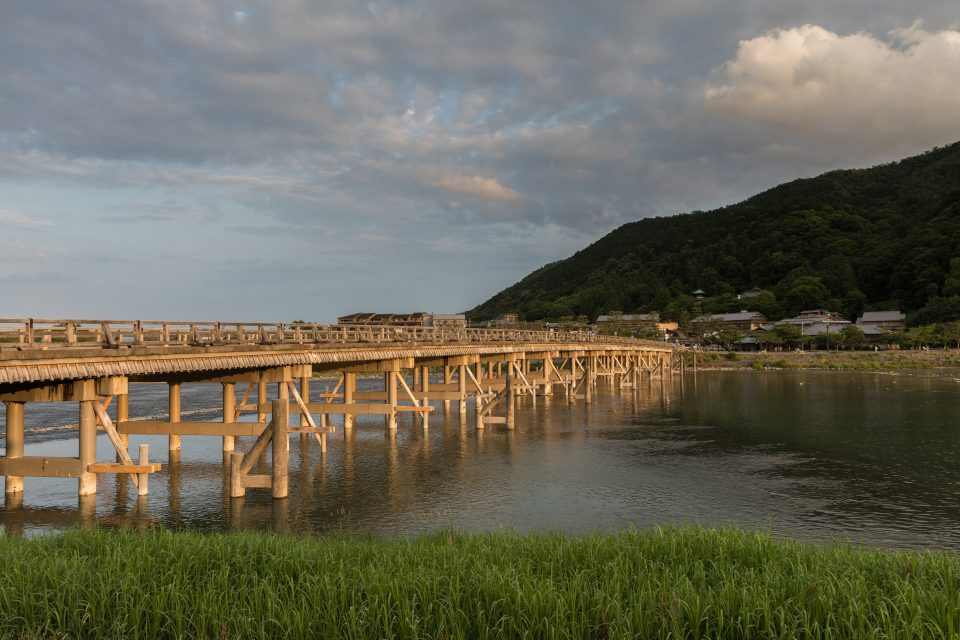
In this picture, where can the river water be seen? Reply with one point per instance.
(866, 457)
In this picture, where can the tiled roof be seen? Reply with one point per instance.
(881, 316)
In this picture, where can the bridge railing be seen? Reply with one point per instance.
(33, 333)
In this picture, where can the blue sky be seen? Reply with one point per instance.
(302, 160)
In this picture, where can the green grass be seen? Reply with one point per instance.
(672, 583)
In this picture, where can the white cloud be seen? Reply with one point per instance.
(898, 94)
(20, 219)
(478, 187)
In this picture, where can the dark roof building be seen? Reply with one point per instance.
(418, 319)
(885, 320)
(743, 320)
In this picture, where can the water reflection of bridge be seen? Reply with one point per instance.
(92, 363)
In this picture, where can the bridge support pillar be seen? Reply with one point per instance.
(425, 401)
(462, 387)
(390, 419)
(14, 484)
(261, 400)
(304, 420)
(281, 446)
(229, 413)
(349, 386)
(510, 397)
(87, 484)
(447, 379)
(173, 405)
(123, 414)
(589, 366)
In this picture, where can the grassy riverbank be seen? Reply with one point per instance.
(679, 583)
(831, 360)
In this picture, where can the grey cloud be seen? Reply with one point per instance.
(336, 122)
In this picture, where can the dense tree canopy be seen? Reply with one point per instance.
(879, 238)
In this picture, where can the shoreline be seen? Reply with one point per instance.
(826, 360)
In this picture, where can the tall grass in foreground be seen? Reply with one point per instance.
(676, 583)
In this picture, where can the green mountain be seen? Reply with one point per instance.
(854, 240)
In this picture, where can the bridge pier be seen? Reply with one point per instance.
(14, 484)
(349, 389)
(173, 405)
(123, 415)
(87, 484)
(229, 414)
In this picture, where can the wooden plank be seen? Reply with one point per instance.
(419, 395)
(258, 481)
(40, 467)
(119, 467)
(407, 407)
(379, 366)
(330, 429)
(494, 420)
(118, 444)
(191, 428)
(372, 408)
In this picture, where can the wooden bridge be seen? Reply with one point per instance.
(93, 362)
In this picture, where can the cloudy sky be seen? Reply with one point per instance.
(283, 160)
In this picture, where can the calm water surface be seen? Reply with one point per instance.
(873, 458)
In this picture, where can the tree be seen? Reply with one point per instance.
(789, 334)
(853, 336)
(807, 292)
(718, 332)
(951, 333)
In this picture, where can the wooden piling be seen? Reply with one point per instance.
(447, 380)
(590, 363)
(143, 478)
(237, 489)
(173, 405)
(14, 484)
(281, 450)
(229, 412)
(261, 400)
(390, 419)
(510, 397)
(304, 421)
(462, 387)
(123, 414)
(349, 387)
(87, 484)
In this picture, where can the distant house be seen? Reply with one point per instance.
(884, 320)
(448, 321)
(699, 294)
(819, 314)
(745, 321)
(418, 319)
(645, 322)
(505, 320)
(818, 328)
(815, 322)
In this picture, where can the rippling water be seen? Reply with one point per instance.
(873, 458)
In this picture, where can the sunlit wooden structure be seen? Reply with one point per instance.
(93, 363)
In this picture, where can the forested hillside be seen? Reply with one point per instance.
(879, 238)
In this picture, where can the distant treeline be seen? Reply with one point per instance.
(881, 238)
